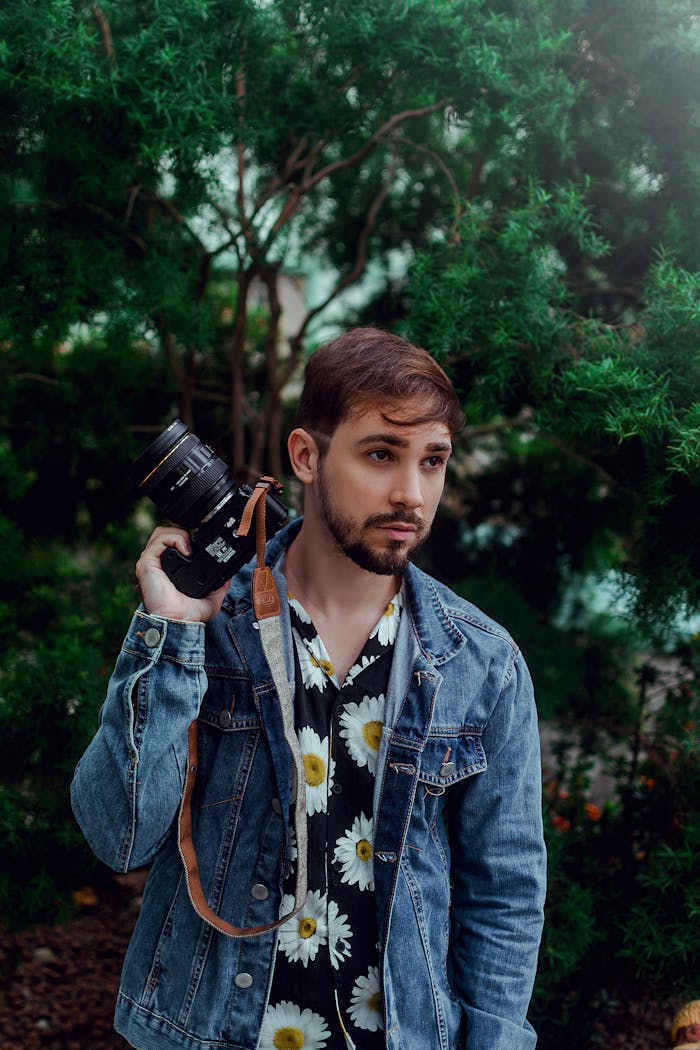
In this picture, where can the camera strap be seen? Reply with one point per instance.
(266, 603)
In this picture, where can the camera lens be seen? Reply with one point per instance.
(182, 476)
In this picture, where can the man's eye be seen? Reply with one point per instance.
(436, 461)
(381, 455)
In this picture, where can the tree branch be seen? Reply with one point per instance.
(473, 187)
(360, 260)
(293, 163)
(105, 33)
(379, 134)
(240, 153)
(454, 228)
(309, 183)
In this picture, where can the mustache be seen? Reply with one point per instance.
(405, 517)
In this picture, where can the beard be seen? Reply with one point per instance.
(351, 537)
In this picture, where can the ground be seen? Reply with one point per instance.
(58, 984)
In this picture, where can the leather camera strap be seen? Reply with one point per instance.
(266, 603)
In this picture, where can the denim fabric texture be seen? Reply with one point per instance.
(459, 857)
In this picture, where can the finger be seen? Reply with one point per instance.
(163, 537)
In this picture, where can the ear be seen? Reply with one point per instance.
(303, 455)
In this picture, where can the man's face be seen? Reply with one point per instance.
(378, 487)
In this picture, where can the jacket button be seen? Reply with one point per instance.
(447, 769)
(276, 805)
(259, 892)
(225, 719)
(243, 980)
(151, 637)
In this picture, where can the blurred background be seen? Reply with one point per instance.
(194, 195)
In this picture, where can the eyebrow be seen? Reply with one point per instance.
(399, 442)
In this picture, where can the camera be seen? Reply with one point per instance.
(194, 488)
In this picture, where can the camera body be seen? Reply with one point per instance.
(189, 483)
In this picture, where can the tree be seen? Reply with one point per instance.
(158, 162)
(570, 304)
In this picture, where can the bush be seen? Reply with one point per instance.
(624, 885)
(68, 627)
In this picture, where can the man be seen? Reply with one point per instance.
(408, 872)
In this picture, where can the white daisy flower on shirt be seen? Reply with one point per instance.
(301, 936)
(286, 1027)
(356, 669)
(319, 769)
(361, 729)
(366, 1007)
(299, 609)
(292, 851)
(355, 854)
(385, 631)
(339, 934)
(313, 662)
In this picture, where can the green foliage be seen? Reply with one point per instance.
(505, 284)
(73, 431)
(661, 930)
(624, 888)
(56, 658)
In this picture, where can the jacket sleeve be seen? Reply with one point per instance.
(499, 874)
(127, 786)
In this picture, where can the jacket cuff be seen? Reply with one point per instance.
(152, 637)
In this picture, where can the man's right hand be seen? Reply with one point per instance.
(159, 594)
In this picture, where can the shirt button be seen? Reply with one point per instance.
(447, 769)
(243, 980)
(259, 892)
(337, 788)
(151, 637)
(225, 719)
(276, 805)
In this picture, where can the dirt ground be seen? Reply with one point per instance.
(58, 984)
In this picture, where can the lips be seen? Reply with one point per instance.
(399, 530)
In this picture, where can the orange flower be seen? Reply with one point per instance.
(561, 823)
(592, 811)
(85, 897)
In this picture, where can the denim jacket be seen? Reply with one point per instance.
(459, 861)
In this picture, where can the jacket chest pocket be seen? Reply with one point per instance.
(451, 755)
(229, 731)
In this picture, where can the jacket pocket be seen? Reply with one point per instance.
(450, 755)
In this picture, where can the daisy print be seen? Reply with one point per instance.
(314, 664)
(292, 851)
(354, 853)
(359, 668)
(314, 753)
(286, 1027)
(366, 1002)
(339, 934)
(385, 631)
(302, 935)
(361, 729)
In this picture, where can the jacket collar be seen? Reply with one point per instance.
(438, 636)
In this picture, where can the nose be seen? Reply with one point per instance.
(407, 491)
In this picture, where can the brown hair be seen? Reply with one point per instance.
(367, 368)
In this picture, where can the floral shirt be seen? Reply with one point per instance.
(326, 992)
